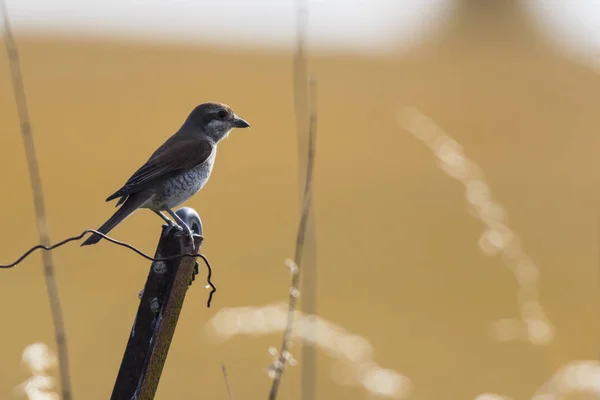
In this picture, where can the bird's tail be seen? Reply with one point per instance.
(132, 203)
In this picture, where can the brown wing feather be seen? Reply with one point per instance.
(179, 156)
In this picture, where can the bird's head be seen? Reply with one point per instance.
(215, 120)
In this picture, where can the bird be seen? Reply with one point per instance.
(176, 171)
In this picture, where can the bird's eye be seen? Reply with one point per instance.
(222, 114)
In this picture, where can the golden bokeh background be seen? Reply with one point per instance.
(398, 259)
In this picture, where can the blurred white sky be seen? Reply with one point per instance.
(349, 25)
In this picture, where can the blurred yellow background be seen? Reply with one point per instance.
(398, 256)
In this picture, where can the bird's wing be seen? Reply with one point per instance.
(177, 157)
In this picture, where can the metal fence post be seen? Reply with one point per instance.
(158, 312)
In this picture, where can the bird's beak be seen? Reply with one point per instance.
(239, 123)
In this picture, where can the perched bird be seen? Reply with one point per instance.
(176, 170)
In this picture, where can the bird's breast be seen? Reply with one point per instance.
(181, 187)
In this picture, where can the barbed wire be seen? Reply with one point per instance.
(123, 244)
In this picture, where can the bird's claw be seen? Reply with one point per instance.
(169, 226)
(188, 232)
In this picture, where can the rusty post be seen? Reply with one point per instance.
(160, 304)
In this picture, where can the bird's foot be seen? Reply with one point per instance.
(188, 232)
(169, 226)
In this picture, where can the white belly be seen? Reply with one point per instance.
(180, 188)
